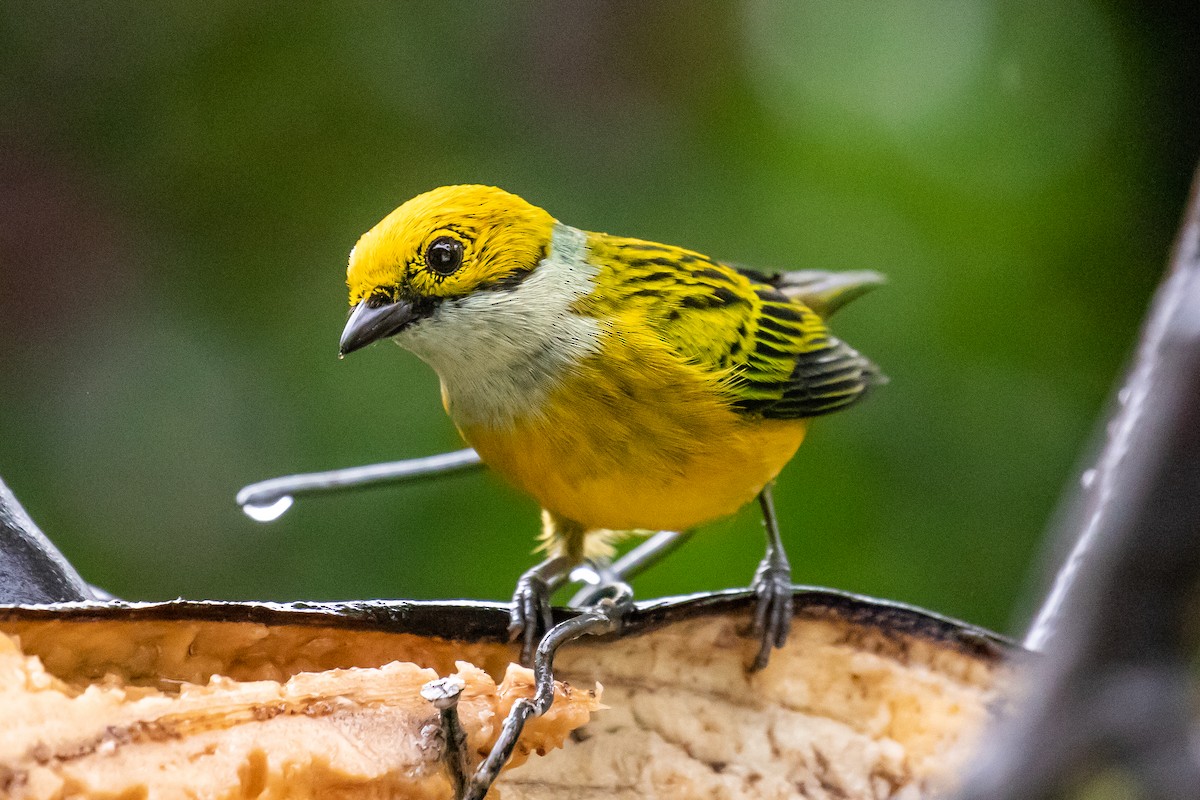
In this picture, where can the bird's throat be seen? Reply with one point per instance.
(500, 354)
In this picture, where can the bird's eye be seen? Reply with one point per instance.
(444, 255)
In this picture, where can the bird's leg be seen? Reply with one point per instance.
(530, 616)
(773, 585)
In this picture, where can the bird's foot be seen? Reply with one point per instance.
(530, 617)
(772, 585)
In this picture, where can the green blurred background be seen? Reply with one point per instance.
(180, 184)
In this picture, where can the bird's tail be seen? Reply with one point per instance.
(826, 292)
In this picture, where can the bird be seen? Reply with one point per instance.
(625, 385)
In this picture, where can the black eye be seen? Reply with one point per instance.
(444, 255)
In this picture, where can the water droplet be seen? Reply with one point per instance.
(268, 512)
(1086, 479)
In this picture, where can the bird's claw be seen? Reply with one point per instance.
(530, 617)
(772, 586)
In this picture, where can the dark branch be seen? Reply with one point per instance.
(1118, 630)
(32, 570)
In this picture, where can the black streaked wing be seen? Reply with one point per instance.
(796, 368)
(779, 359)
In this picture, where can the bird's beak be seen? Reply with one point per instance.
(373, 320)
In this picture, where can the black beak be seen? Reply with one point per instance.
(373, 320)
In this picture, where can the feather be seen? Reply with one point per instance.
(763, 335)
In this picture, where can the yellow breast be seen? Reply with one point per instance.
(635, 438)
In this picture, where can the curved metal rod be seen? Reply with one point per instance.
(649, 553)
(267, 500)
(599, 577)
(603, 617)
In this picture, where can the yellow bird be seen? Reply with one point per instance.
(625, 385)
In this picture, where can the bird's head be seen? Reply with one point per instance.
(440, 247)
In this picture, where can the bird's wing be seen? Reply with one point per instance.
(776, 355)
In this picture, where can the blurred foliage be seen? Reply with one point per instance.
(180, 185)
